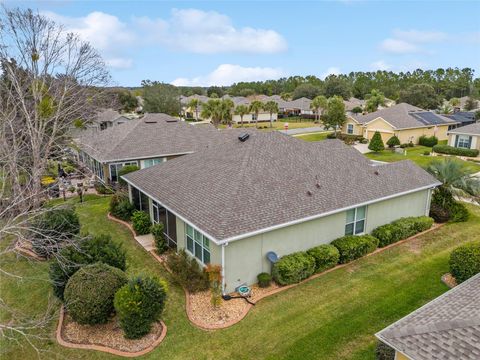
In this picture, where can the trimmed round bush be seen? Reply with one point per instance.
(401, 229)
(121, 207)
(53, 228)
(293, 268)
(264, 279)
(141, 222)
(100, 248)
(465, 261)
(326, 257)
(393, 141)
(352, 247)
(139, 304)
(90, 291)
(429, 141)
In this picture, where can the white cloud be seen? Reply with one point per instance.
(398, 46)
(208, 32)
(105, 32)
(380, 65)
(227, 74)
(331, 71)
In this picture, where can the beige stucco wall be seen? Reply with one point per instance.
(413, 135)
(357, 128)
(248, 117)
(245, 259)
(400, 356)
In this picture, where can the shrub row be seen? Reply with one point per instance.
(401, 229)
(450, 150)
(121, 207)
(187, 271)
(465, 261)
(352, 247)
(429, 141)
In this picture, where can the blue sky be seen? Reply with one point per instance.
(207, 42)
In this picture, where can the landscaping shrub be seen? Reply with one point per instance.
(124, 171)
(100, 248)
(429, 141)
(121, 207)
(160, 243)
(187, 271)
(465, 261)
(326, 257)
(401, 229)
(426, 153)
(53, 228)
(264, 279)
(450, 150)
(293, 268)
(444, 208)
(376, 143)
(141, 222)
(352, 247)
(384, 352)
(90, 291)
(101, 189)
(139, 304)
(438, 213)
(214, 273)
(458, 212)
(393, 141)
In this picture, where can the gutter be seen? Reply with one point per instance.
(282, 225)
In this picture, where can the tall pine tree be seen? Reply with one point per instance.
(376, 144)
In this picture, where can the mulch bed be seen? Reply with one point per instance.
(107, 337)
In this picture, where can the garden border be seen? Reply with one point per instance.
(435, 226)
(106, 349)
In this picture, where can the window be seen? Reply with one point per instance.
(197, 244)
(463, 141)
(116, 167)
(140, 200)
(254, 117)
(349, 128)
(150, 162)
(356, 221)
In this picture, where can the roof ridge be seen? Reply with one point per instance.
(435, 327)
(127, 133)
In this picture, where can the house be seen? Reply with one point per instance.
(462, 117)
(446, 328)
(467, 137)
(297, 107)
(106, 119)
(231, 204)
(405, 121)
(352, 103)
(143, 142)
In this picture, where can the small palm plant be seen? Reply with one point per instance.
(241, 110)
(272, 108)
(255, 107)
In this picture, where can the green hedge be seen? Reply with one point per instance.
(465, 261)
(326, 257)
(293, 268)
(428, 141)
(352, 247)
(90, 291)
(450, 150)
(401, 229)
(121, 207)
(264, 279)
(141, 222)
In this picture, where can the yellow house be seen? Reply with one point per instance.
(405, 121)
(466, 137)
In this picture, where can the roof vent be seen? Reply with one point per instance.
(243, 137)
(150, 121)
(309, 193)
(172, 120)
(318, 185)
(376, 172)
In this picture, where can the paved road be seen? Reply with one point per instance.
(303, 130)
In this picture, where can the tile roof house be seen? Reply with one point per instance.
(467, 137)
(143, 142)
(446, 328)
(405, 121)
(232, 204)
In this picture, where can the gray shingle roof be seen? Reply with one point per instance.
(472, 129)
(152, 135)
(241, 187)
(404, 116)
(106, 115)
(445, 328)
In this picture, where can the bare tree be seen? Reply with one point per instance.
(48, 79)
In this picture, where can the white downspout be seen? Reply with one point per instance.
(223, 267)
(427, 205)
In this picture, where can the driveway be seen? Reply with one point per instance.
(363, 148)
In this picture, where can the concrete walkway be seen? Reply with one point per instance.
(363, 148)
(147, 241)
(303, 130)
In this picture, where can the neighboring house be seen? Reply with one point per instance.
(467, 137)
(296, 107)
(406, 121)
(462, 117)
(231, 204)
(143, 142)
(352, 103)
(446, 328)
(106, 119)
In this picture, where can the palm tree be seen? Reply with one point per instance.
(195, 104)
(255, 107)
(272, 107)
(227, 106)
(319, 102)
(212, 109)
(455, 102)
(445, 109)
(241, 110)
(455, 179)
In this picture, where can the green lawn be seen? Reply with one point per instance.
(280, 124)
(313, 136)
(331, 317)
(416, 155)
